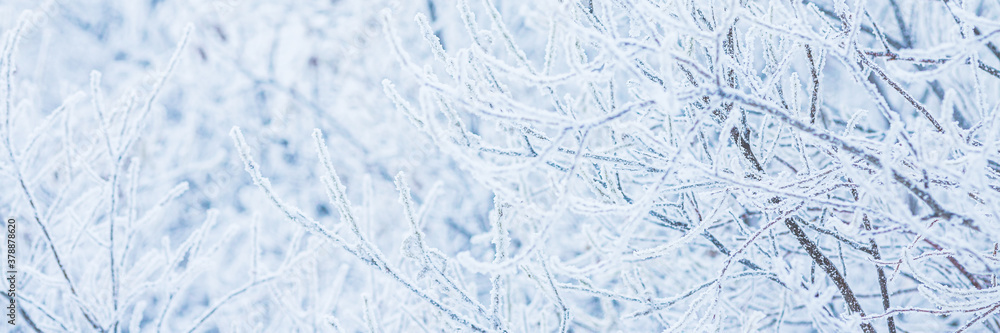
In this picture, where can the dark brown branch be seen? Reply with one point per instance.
(929, 200)
(839, 237)
(891, 56)
(831, 271)
(745, 148)
(954, 262)
(883, 288)
(814, 73)
(901, 91)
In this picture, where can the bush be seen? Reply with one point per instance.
(559, 166)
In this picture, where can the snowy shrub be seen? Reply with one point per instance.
(706, 165)
(503, 166)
